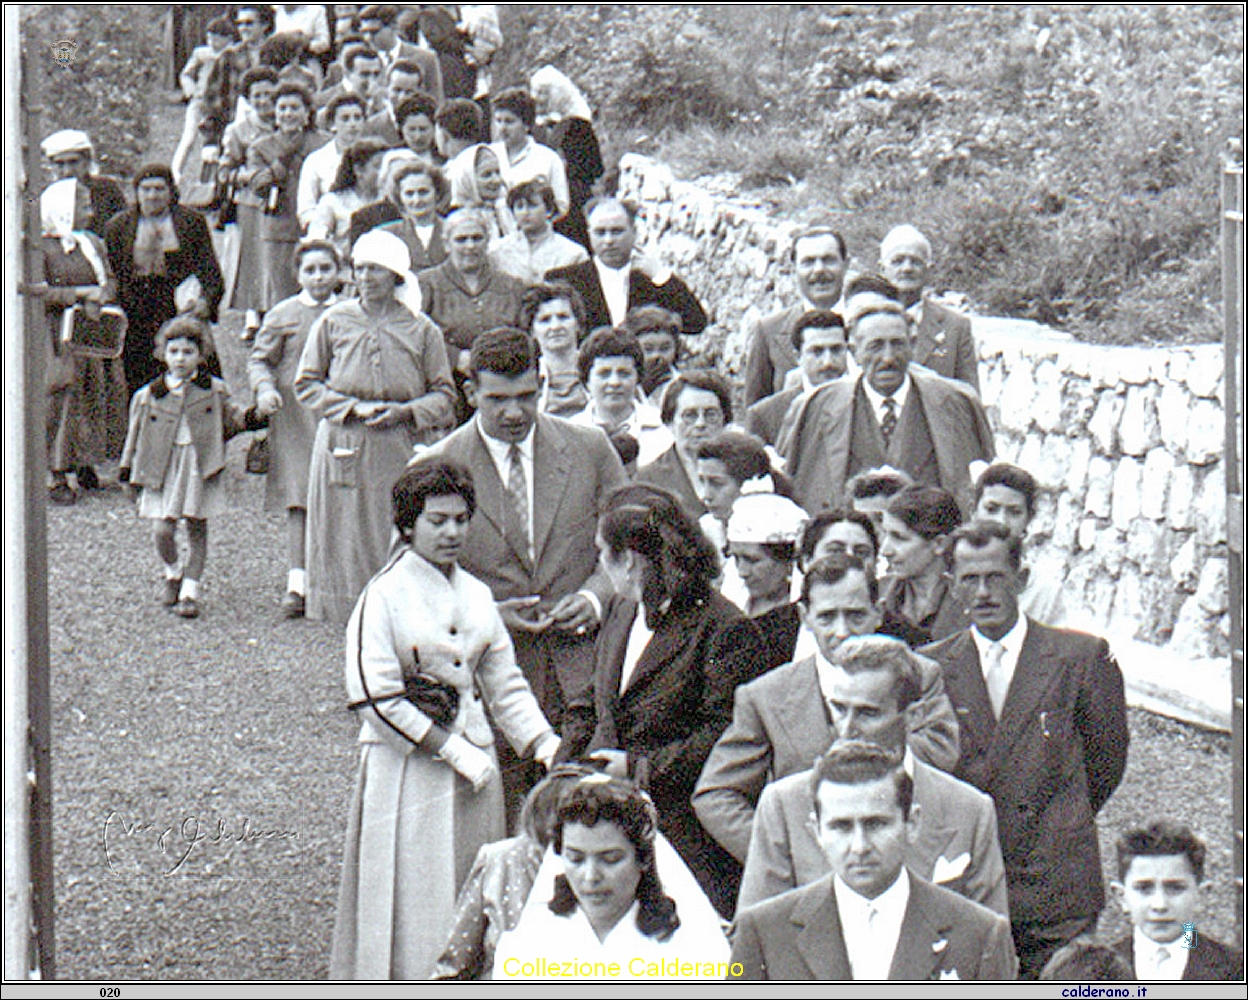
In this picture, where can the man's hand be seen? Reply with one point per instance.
(520, 614)
(616, 761)
(574, 613)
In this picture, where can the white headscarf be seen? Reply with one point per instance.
(388, 251)
(57, 207)
(563, 98)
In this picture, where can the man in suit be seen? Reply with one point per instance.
(616, 279)
(874, 683)
(819, 260)
(378, 26)
(871, 917)
(822, 352)
(895, 414)
(942, 336)
(540, 484)
(405, 79)
(1043, 725)
(361, 78)
(780, 722)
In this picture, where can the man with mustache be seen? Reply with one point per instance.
(819, 260)
(1043, 728)
(895, 413)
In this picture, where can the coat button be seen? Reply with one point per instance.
(459, 663)
(454, 630)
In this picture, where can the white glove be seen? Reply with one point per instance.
(471, 762)
(546, 750)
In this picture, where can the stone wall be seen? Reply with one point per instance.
(1126, 441)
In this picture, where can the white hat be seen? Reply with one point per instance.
(388, 251)
(67, 140)
(765, 519)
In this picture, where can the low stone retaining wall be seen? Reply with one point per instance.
(1127, 443)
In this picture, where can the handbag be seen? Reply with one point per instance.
(102, 335)
(437, 700)
(257, 462)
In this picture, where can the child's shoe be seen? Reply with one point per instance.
(293, 605)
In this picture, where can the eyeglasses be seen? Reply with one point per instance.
(711, 417)
(244, 24)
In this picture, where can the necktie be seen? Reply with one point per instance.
(517, 503)
(994, 678)
(889, 422)
(1162, 962)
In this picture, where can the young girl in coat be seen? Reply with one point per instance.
(292, 426)
(175, 452)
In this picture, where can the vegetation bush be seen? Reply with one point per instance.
(1065, 159)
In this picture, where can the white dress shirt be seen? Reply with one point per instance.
(614, 282)
(1012, 644)
(872, 927)
(315, 177)
(877, 401)
(639, 637)
(535, 162)
(1149, 963)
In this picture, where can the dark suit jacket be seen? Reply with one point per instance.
(1050, 764)
(956, 847)
(667, 473)
(678, 701)
(674, 295)
(797, 935)
(766, 417)
(770, 354)
(1209, 961)
(816, 438)
(575, 469)
(779, 727)
(944, 344)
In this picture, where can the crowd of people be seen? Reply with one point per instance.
(755, 675)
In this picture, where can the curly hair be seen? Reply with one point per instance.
(429, 478)
(538, 295)
(599, 799)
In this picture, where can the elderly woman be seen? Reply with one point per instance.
(671, 652)
(156, 248)
(87, 401)
(69, 153)
(465, 295)
(427, 657)
(421, 192)
(555, 317)
(609, 905)
(376, 376)
(477, 182)
(274, 162)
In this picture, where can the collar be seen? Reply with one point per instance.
(890, 904)
(604, 269)
(809, 306)
(915, 312)
(160, 388)
(305, 299)
(1011, 642)
(499, 450)
(1144, 954)
(898, 397)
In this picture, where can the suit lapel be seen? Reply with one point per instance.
(491, 499)
(1037, 668)
(802, 705)
(664, 649)
(964, 681)
(919, 950)
(550, 474)
(929, 330)
(820, 942)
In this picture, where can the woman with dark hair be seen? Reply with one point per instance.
(916, 596)
(274, 162)
(354, 186)
(429, 666)
(513, 113)
(421, 192)
(609, 906)
(671, 652)
(555, 317)
(162, 256)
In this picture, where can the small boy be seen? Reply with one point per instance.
(194, 79)
(1161, 870)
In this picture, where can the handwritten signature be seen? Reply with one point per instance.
(177, 842)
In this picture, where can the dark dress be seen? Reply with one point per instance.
(575, 141)
(779, 627)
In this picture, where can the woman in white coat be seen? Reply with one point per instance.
(427, 654)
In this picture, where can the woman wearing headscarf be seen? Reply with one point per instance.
(564, 123)
(86, 396)
(70, 154)
(477, 182)
(156, 249)
(374, 371)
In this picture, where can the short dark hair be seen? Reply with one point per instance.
(1012, 477)
(618, 801)
(744, 456)
(980, 534)
(355, 156)
(869, 281)
(883, 654)
(408, 68)
(222, 26)
(818, 526)
(356, 51)
(1084, 959)
(819, 229)
(856, 762)
(537, 189)
(311, 246)
(292, 89)
(650, 318)
(460, 118)
(184, 327)
(831, 570)
(257, 74)
(283, 50)
(519, 102)
(538, 295)
(423, 168)
(877, 483)
(599, 200)
(263, 9)
(928, 511)
(418, 104)
(425, 478)
(608, 342)
(681, 563)
(503, 351)
(1161, 837)
(161, 170)
(818, 319)
(383, 12)
(707, 381)
(342, 100)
